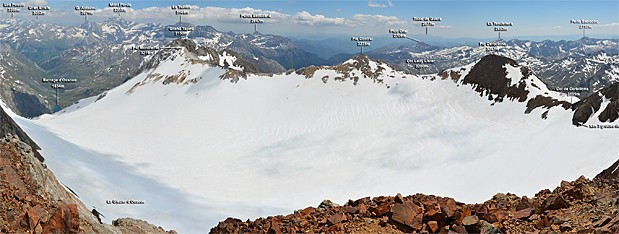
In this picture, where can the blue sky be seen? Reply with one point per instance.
(371, 17)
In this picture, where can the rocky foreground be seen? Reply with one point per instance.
(581, 206)
(32, 200)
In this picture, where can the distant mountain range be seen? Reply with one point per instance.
(101, 56)
(588, 62)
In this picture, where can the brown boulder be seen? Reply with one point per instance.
(555, 202)
(408, 214)
(362, 208)
(364, 200)
(64, 220)
(463, 213)
(522, 214)
(275, 228)
(433, 225)
(336, 218)
(381, 210)
(448, 207)
(33, 216)
(471, 223)
(433, 210)
(307, 211)
(399, 198)
(470, 220)
(336, 228)
(350, 209)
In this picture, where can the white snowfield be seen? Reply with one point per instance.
(196, 154)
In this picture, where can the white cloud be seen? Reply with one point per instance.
(557, 27)
(363, 19)
(209, 15)
(305, 18)
(36, 3)
(614, 24)
(374, 3)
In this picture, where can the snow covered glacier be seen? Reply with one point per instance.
(201, 148)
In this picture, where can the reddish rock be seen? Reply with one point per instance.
(307, 211)
(458, 229)
(336, 218)
(383, 221)
(542, 223)
(433, 225)
(466, 211)
(555, 202)
(336, 228)
(399, 198)
(522, 214)
(490, 217)
(350, 209)
(500, 215)
(363, 209)
(275, 228)
(381, 199)
(381, 210)
(470, 220)
(433, 210)
(408, 214)
(364, 200)
(448, 207)
(33, 216)
(64, 220)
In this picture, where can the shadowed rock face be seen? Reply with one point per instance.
(28, 105)
(490, 77)
(8, 128)
(586, 108)
(583, 205)
(611, 173)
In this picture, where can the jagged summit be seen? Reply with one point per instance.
(358, 67)
(499, 77)
(601, 107)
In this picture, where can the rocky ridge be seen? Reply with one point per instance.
(602, 106)
(580, 206)
(358, 67)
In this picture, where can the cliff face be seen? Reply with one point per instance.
(33, 200)
(582, 206)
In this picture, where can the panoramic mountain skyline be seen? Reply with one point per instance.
(462, 19)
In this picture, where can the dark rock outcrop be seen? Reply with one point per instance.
(611, 173)
(489, 77)
(586, 108)
(8, 128)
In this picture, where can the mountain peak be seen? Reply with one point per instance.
(183, 42)
(499, 76)
(600, 107)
